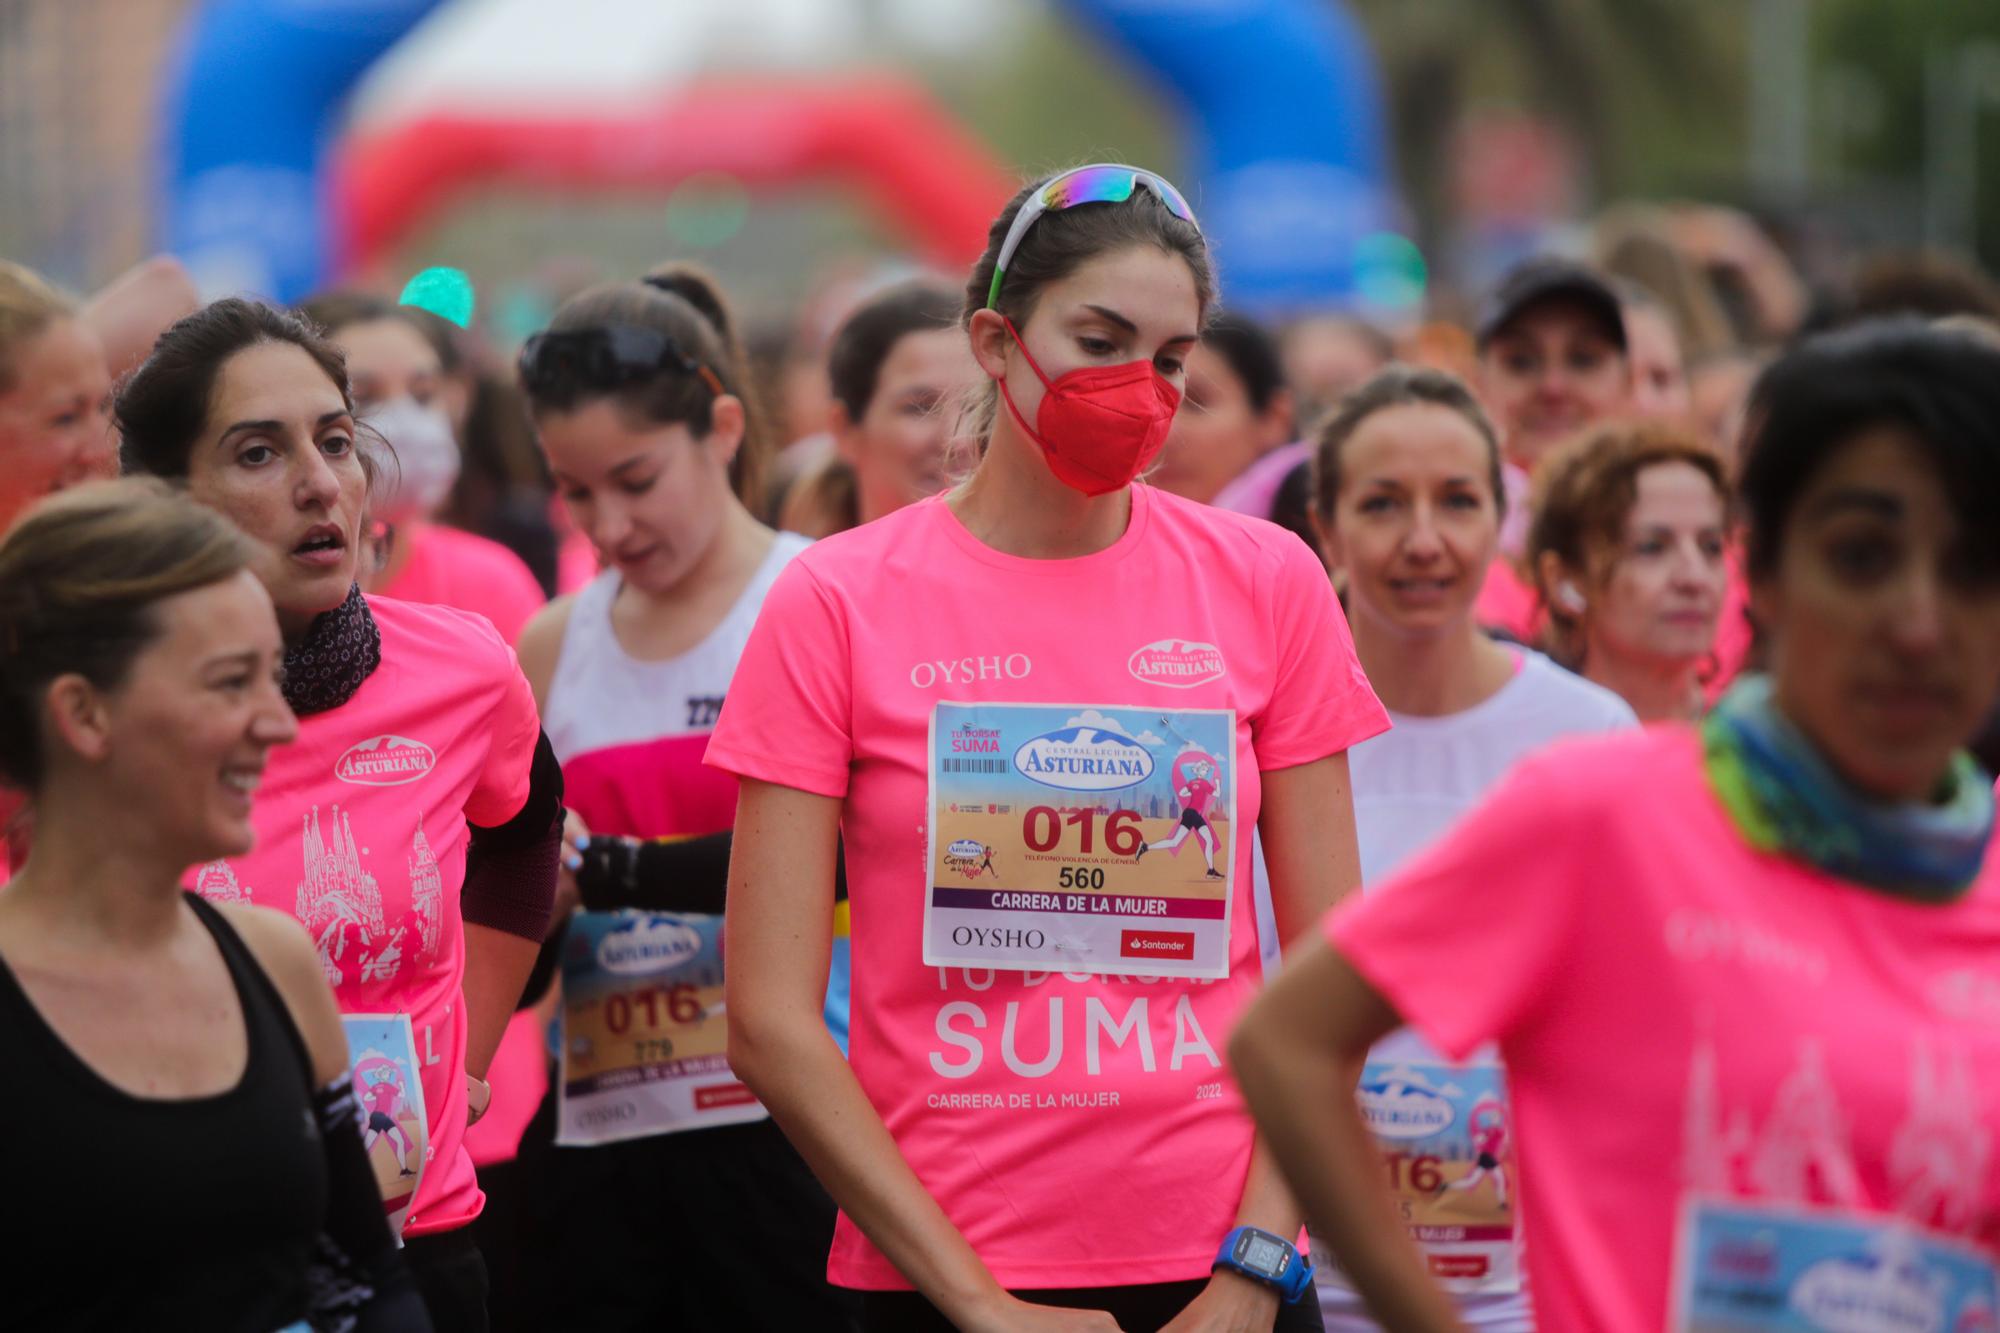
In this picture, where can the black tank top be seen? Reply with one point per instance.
(130, 1212)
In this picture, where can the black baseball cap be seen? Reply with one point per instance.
(1548, 278)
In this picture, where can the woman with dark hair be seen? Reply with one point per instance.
(993, 698)
(414, 825)
(639, 399)
(399, 380)
(1408, 505)
(1237, 409)
(1629, 547)
(1742, 976)
(178, 1047)
(897, 367)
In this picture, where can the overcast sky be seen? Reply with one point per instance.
(499, 52)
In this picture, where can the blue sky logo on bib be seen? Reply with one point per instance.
(385, 761)
(1179, 664)
(1088, 754)
(1889, 1289)
(646, 944)
(1403, 1104)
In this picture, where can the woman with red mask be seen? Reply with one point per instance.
(988, 697)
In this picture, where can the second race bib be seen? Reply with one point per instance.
(1071, 838)
(644, 1038)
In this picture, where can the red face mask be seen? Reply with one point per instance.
(1101, 426)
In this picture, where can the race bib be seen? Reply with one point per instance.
(1066, 838)
(1446, 1132)
(395, 1133)
(644, 1039)
(1744, 1268)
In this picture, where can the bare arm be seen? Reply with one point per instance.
(1307, 828)
(496, 969)
(780, 931)
(1297, 1055)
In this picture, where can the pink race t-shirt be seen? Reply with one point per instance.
(361, 835)
(1078, 1129)
(449, 567)
(1721, 1059)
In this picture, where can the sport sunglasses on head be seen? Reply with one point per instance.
(1099, 183)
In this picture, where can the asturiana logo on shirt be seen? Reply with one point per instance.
(647, 947)
(1177, 663)
(1084, 759)
(386, 761)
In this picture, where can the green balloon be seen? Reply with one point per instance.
(445, 292)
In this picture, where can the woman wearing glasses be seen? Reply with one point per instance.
(414, 824)
(1036, 1131)
(639, 402)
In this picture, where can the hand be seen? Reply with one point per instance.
(1230, 1303)
(1011, 1315)
(574, 836)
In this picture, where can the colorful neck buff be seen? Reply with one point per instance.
(341, 650)
(1784, 797)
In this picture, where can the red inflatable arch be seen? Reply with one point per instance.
(891, 140)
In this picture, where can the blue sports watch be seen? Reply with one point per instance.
(1263, 1257)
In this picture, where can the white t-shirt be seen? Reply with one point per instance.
(1412, 783)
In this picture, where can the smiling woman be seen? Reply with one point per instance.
(139, 704)
(1408, 505)
(428, 896)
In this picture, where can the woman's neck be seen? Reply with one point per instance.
(1431, 675)
(1658, 690)
(1015, 505)
(123, 892)
(655, 624)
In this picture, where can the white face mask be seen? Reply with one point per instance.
(417, 471)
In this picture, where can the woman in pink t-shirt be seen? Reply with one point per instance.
(985, 696)
(1629, 547)
(398, 378)
(1746, 978)
(413, 825)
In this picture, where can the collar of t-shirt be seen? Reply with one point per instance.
(341, 650)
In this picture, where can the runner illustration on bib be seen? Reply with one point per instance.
(394, 1130)
(1486, 1126)
(1069, 799)
(1196, 786)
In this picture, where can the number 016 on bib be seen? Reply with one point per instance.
(1081, 838)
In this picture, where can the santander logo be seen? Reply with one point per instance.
(385, 761)
(1177, 663)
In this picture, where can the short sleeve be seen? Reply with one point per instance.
(787, 716)
(1321, 702)
(514, 726)
(1473, 933)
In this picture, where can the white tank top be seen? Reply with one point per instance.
(603, 699)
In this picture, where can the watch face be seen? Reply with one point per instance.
(1263, 1255)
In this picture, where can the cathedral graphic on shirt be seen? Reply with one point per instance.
(340, 901)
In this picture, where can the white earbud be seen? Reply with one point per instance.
(1569, 599)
